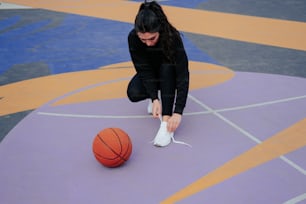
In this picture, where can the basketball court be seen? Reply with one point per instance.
(64, 69)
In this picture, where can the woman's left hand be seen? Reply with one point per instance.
(173, 122)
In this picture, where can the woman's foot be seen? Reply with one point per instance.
(163, 136)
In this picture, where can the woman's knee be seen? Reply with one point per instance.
(136, 91)
(132, 95)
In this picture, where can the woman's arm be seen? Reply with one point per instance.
(182, 79)
(140, 60)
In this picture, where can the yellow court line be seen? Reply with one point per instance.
(280, 144)
(31, 94)
(267, 31)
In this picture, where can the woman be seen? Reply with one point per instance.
(161, 64)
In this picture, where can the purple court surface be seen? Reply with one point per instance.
(247, 134)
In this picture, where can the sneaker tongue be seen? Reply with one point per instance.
(163, 123)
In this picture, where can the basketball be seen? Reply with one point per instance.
(112, 147)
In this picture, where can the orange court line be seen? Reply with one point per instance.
(280, 144)
(31, 94)
(201, 75)
(267, 31)
(79, 86)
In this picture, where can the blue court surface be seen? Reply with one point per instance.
(64, 70)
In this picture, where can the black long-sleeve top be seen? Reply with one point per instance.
(147, 59)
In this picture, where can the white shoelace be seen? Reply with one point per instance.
(172, 137)
(179, 142)
(176, 142)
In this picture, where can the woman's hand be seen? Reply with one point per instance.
(173, 122)
(156, 108)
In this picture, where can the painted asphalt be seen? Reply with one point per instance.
(63, 78)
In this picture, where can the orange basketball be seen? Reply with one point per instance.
(112, 147)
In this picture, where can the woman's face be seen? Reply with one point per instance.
(150, 39)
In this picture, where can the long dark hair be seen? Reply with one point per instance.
(151, 18)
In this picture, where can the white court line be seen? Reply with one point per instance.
(94, 116)
(186, 114)
(262, 104)
(12, 6)
(225, 119)
(244, 132)
(296, 199)
(72, 115)
(208, 110)
(291, 163)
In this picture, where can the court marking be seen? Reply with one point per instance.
(19, 96)
(5, 6)
(262, 104)
(296, 199)
(294, 165)
(281, 143)
(284, 100)
(214, 112)
(267, 31)
(244, 132)
(208, 111)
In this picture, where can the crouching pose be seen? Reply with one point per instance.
(161, 64)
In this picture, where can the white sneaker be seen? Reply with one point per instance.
(163, 137)
(150, 107)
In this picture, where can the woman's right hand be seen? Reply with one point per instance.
(156, 108)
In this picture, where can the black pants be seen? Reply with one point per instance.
(167, 85)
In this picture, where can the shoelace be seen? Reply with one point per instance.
(179, 142)
(172, 137)
(176, 142)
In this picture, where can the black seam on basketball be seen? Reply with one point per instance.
(108, 148)
(102, 157)
(129, 146)
(120, 144)
(118, 155)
